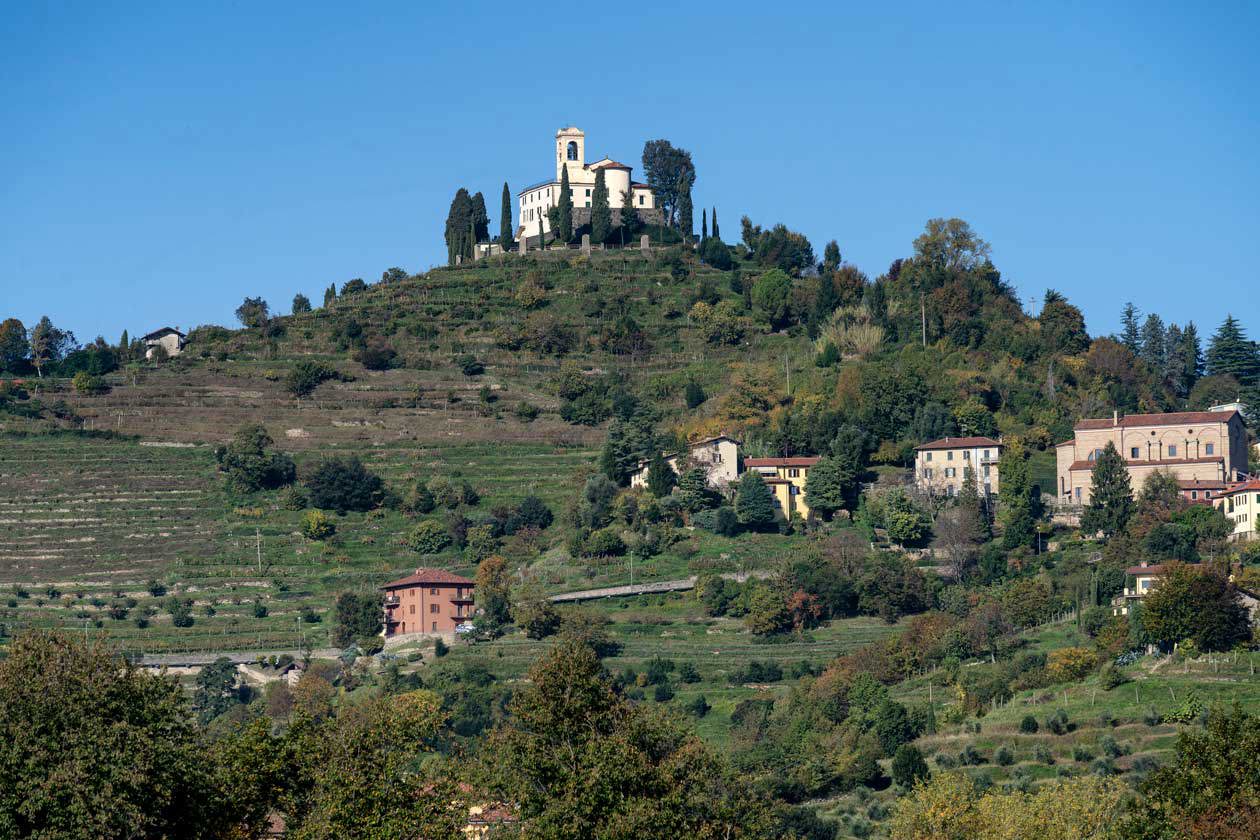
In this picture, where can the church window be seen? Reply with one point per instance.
(572, 153)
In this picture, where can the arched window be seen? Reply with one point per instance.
(572, 152)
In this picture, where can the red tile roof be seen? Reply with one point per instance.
(637, 185)
(1196, 484)
(804, 461)
(427, 577)
(1245, 487)
(1167, 462)
(1153, 569)
(612, 164)
(1177, 418)
(959, 443)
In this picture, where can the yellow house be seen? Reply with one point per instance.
(1145, 576)
(1241, 503)
(786, 479)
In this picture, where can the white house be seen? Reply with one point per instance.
(719, 456)
(534, 201)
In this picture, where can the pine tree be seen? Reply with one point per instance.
(685, 218)
(1172, 373)
(124, 343)
(1131, 336)
(829, 486)
(1229, 352)
(1154, 341)
(704, 225)
(1111, 496)
(661, 477)
(754, 503)
(831, 257)
(505, 219)
(1190, 355)
(716, 234)
(564, 220)
(601, 212)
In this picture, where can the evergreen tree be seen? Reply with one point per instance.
(542, 238)
(972, 508)
(1229, 352)
(1131, 336)
(629, 216)
(704, 225)
(301, 303)
(505, 219)
(629, 442)
(825, 303)
(459, 225)
(1190, 356)
(831, 257)
(694, 492)
(601, 212)
(480, 219)
(1154, 342)
(695, 394)
(908, 766)
(1174, 368)
(1111, 496)
(716, 233)
(1015, 496)
(661, 477)
(685, 217)
(829, 486)
(754, 503)
(564, 219)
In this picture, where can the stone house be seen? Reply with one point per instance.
(941, 466)
(1207, 446)
(168, 338)
(786, 478)
(718, 455)
(431, 601)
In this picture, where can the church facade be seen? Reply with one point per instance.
(534, 201)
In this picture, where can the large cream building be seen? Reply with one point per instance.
(535, 200)
(1208, 446)
(941, 466)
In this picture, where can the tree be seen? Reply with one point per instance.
(669, 173)
(459, 227)
(1229, 352)
(778, 247)
(908, 766)
(1130, 336)
(601, 210)
(356, 616)
(536, 616)
(694, 492)
(1111, 496)
(1189, 359)
(829, 486)
(14, 346)
(694, 395)
(754, 503)
(48, 344)
(96, 747)
(1062, 325)
(251, 464)
(428, 537)
(1154, 342)
(1189, 603)
(330, 294)
(494, 591)
(661, 477)
(831, 257)
(716, 234)
(480, 218)
(505, 219)
(563, 228)
(629, 216)
(345, 484)
(772, 297)
(768, 612)
(301, 303)
(579, 761)
(253, 312)
(704, 225)
(1015, 496)
(685, 217)
(216, 690)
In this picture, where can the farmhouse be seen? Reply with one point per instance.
(534, 201)
(432, 601)
(786, 478)
(168, 338)
(1192, 445)
(941, 466)
(718, 456)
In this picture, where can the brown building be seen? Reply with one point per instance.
(429, 601)
(1208, 446)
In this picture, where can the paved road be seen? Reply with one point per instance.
(650, 588)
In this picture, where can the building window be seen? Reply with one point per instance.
(1194, 494)
(986, 470)
(588, 193)
(927, 472)
(1172, 450)
(640, 199)
(967, 456)
(572, 153)
(986, 454)
(434, 626)
(794, 473)
(433, 591)
(927, 456)
(949, 456)
(434, 608)
(1209, 448)
(950, 472)
(1134, 453)
(413, 609)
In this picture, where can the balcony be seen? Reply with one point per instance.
(391, 601)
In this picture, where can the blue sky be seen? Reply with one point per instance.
(160, 162)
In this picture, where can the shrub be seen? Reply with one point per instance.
(251, 463)
(377, 357)
(945, 761)
(1112, 677)
(1004, 756)
(687, 673)
(468, 365)
(428, 537)
(526, 412)
(1058, 723)
(1028, 725)
(440, 648)
(970, 756)
(606, 542)
(663, 693)
(908, 766)
(1071, 663)
(1110, 747)
(345, 484)
(309, 616)
(316, 525)
(294, 498)
(304, 377)
(697, 706)
(89, 384)
(1152, 717)
(156, 589)
(1043, 754)
(260, 609)
(1081, 753)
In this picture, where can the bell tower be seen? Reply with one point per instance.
(570, 150)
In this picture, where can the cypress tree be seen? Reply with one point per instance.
(685, 216)
(660, 476)
(542, 239)
(124, 343)
(1130, 336)
(480, 219)
(601, 212)
(754, 503)
(564, 226)
(1111, 496)
(704, 225)
(1229, 352)
(505, 219)
(459, 225)
(716, 234)
(330, 294)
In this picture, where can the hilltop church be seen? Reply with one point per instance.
(534, 200)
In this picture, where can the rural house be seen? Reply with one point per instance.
(1202, 445)
(168, 338)
(786, 479)
(941, 466)
(719, 456)
(432, 601)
